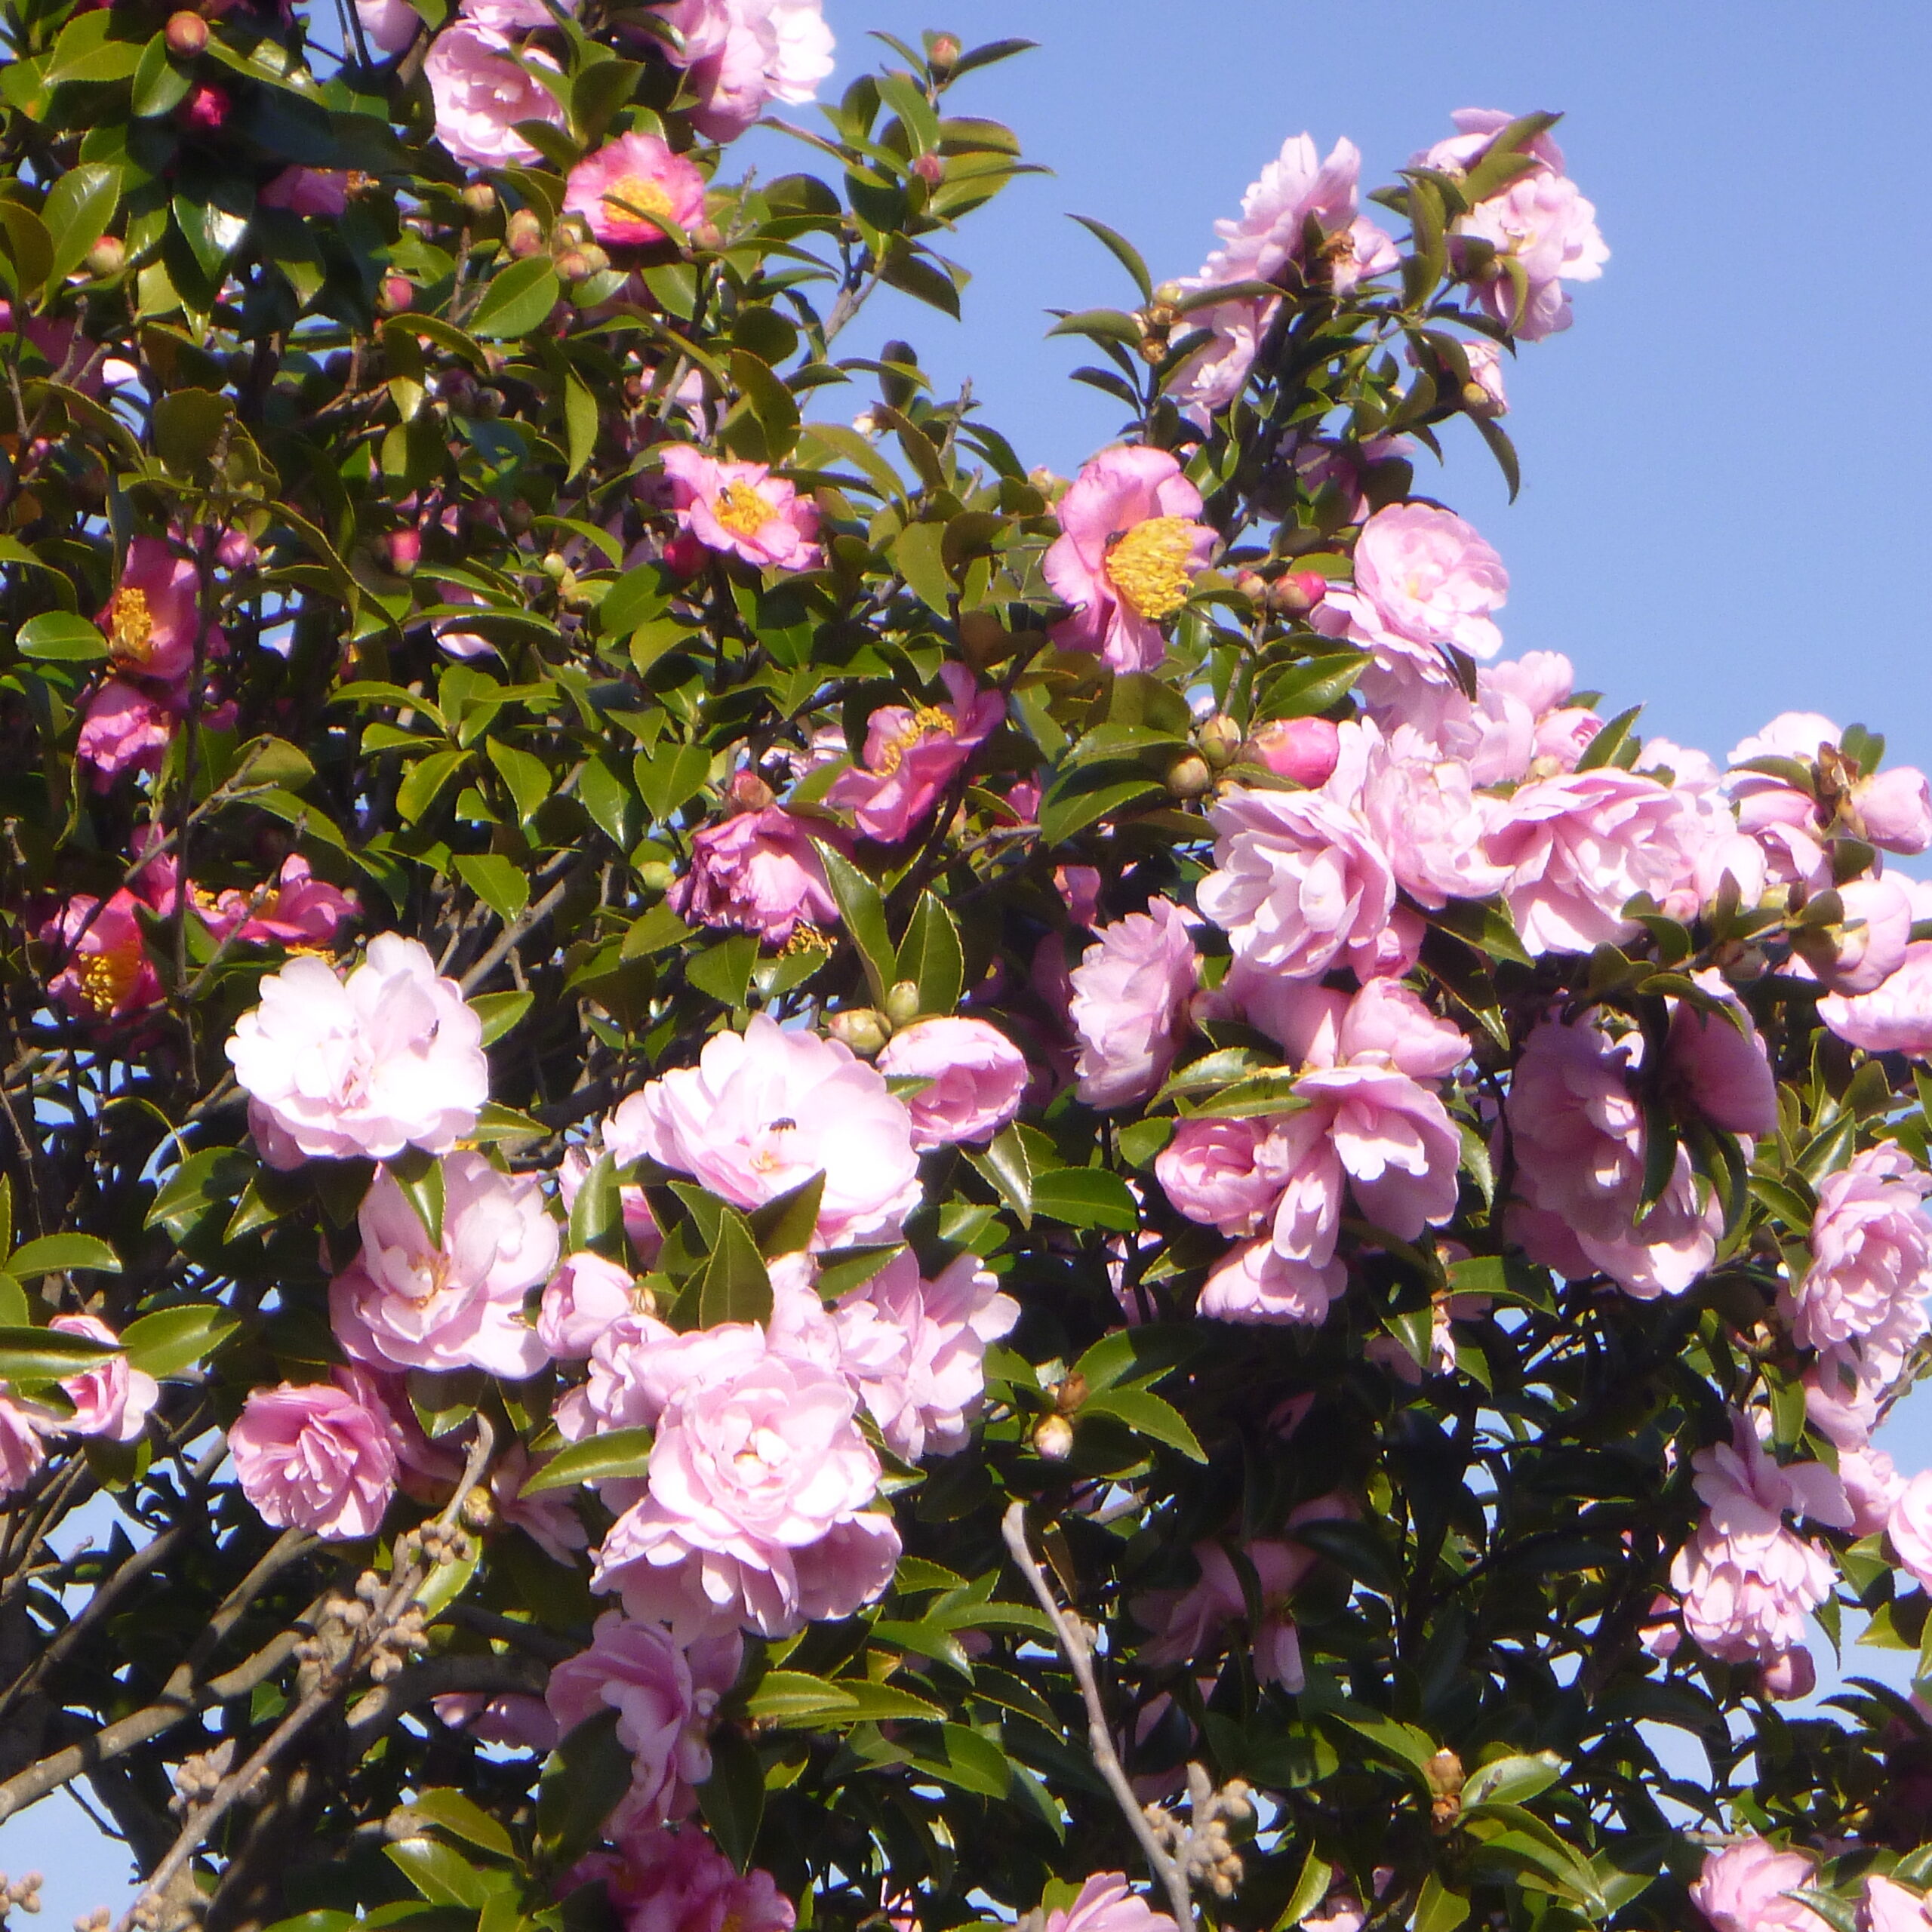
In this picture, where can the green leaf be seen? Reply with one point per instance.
(596, 1222)
(500, 883)
(500, 1013)
(420, 1177)
(517, 301)
(735, 1286)
(733, 1798)
(1078, 798)
(1438, 1909)
(580, 422)
(1146, 1414)
(55, 1254)
(1144, 1354)
(669, 776)
(724, 969)
(1358, 1548)
(1307, 689)
(916, 553)
(527, 777)
(46, 1354)
(215, 1176)
(862, 912)
(187, 426)
(1123, 251)
(27, 246)
(786, 1224)
(160, 86)
(1602, 750)
(794, 1697)
(1512, 1780)
(441, 1873)
(1086, 1198)
(61, 636)
(14, 1312)
(171, 1339)
(583, 1781)
(79, 211)
(1486, 925)
(1007, 1167)
(932, 958)
(601, 1458)
(963, 1758)
(424, 783)
(773, 405)
(462, 1816)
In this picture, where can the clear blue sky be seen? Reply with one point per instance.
(1726, 510)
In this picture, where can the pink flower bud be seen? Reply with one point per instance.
(395, 295)
(404, 549)
(205, 111)
(929, 169)
(187, 35)
(1303, 749)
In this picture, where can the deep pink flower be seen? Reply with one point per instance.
(153, 620)
(1128, 555)
(1131, 992)
(313, 1458)
(1106, 1904)
(916, 1349)
(977, 1076)
(321, 191)
(740, 54)
(112, 1398)
(627, 183)
(758, 872)
(1742, 1888)
(911, 757)
(124, 729)
(663, 1880)
(764, 1111)
(298, 910)
(390, 1057)
(741, 509)
(664, 1693)
(1303, 749)
(1871, 1245)
(105, 971)
(408, 1302)
(480, 92)
(515, 1721)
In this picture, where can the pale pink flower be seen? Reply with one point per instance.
(1742, 1888)
(629, 186)
(977, 1074)
(153, 621)
(1858, 953)
(1226, 1174)
(1841, 1397)
(480, 92)
(409, 1302)
(313, 1458)
(1130, 548)
(319, 191)
(390, 25)
(740, 54)
(676, 1880)
(1909, 1527)
(665, 1693)
(912, 757)
(545, 1517)
(639, 1365)
(1394, 1139)
(516, 1721)
(1871, 1247)
(1303, 749)
(1577, 848)
(21, 1451)
(388, 1058)
(1873, 1485)
(757, 871)
(1425, 813)
(1106, 1904)
(1888, 1907)
(1130, 992)
(1456, 154)
(1542, 223)
(1896, 1016)
(764, 1111)
(1257, 1283)
(1716, 1065)
(916, 1349)
(105, 971)
(584, 1295)
(1423, 579)
(123, 729)
(113, 1397)
(755, 1508)
(742, 510)
(1893, 809)
(1080, 886)
(426, 1472)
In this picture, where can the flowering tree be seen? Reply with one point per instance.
(758, 1173)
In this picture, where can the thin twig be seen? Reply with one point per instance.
(1100, 1738)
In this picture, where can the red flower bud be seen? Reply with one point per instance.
(929, 168)
(205, 111)
(404, 548)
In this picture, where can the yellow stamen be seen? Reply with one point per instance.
(1151, 568)
(130, 624)
(631, 198)
(743, 509)
(107, 978)
(928, 718)
(805, 937)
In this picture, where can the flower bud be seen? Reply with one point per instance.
(517, 516)
(187, 34)
(707, 235)
(479, 197)
(929, 169)
(108, 256)
(595, 259)
(1070, 1393)
(1297, 594)
(573, 265)
(1218, 738)
(1189, 777)
(655, 876)
(1053, 1438)
(860, 1028)
(946, 51)
(554, 567)
(404, 550)
(394, 296)
(1170, 294)
(901, 1002)
(750, 792)
(523, 233)
(1478, 402)
(1251, 585)
(1303, 749)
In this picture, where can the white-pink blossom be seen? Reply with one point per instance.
(1131, 994)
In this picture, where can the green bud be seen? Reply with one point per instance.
(902, 1003)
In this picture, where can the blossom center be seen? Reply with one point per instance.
(107, 979)
(928, 718)
(631, 198)
(742, 508)
(1151, 566)
(805, 937)
(130, 624)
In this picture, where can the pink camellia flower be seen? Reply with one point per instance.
(390, 1057)
(1129, 550)
(1716, 1066)
(1226, 1174)
(21, 1451)
(123, 729)
(1909, 1524)
(1743, 1887)
(1303, 749)
(1577, 848)
(113, 1397)
(740, 54)
(1541, 225)
(754, 1514)
(153, 620)
(298, 910)
(321, 191)
(544, 1515)
(1426, 814)
(1745, 1579)
(1423, 578)
(664, 1693)
(741, 509)
(105, 971)
(1106, 1904)
(631, 185)
(1893, 809)
(676, 1880)
(517, 1722)
(916, 1349)
(977, 1076)
(1257, 1283)
(1873, 1485)
(911, 757)
(764, 1111)
(313, 1458)
(584, 1295)
(1131, 992)
(390, 25)
(1302, 883)
(480, 93)
(409, 1302)
(1871, 1245)
(1858, 953)
(1888, 1906)
(1456, 154)
(1896, 1016)
(426, 1472)
(757, 871)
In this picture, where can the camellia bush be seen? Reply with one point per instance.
(760, 1173)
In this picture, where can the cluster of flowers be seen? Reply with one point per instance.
(1750, 1886)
